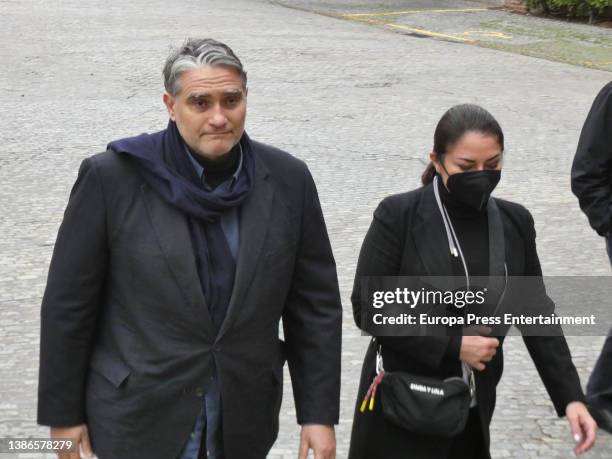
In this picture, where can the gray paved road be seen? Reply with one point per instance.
(357, 103)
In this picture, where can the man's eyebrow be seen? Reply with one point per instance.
(233, 92)
(205, 95)
(198, 95)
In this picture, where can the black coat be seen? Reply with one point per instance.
(127, 343)
(407, 238)
(592, 167)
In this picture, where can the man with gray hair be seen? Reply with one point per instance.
(178, 256)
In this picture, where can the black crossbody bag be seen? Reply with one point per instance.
(424, 405)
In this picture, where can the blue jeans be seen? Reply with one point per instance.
(207, 424)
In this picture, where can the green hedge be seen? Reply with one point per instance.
(591, 8)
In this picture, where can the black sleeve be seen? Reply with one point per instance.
(312, 319)
(592, 167)
(71, 303)
(550, 354)
(381, 255)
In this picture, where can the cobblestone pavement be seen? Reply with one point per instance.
(358, 103)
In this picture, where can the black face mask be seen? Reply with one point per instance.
(473, 188)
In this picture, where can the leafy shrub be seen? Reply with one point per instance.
(589, 8)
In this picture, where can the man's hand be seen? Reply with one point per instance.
(80, 435)
(321, 439)
(477, 350)
(583, 426)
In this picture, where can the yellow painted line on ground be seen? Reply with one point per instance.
(428, 33)
(399, 13)
(595, 63)
(486, 34)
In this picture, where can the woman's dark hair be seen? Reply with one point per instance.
(457, 121)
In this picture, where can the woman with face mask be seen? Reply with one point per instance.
(452, 227)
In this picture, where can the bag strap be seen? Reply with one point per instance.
(379, 359)
(380, 368)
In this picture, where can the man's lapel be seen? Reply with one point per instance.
(254, 221)
(172, 232)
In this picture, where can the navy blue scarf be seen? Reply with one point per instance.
(164, 163)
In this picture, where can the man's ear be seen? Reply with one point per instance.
(169, 103)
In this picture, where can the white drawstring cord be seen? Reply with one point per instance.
(453, 240)
(451, 244)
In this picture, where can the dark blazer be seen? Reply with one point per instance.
(407, 238)
(127, 343)
(592, 166)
